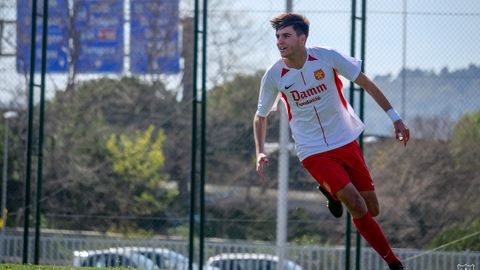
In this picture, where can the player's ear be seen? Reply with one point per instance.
(303, 39)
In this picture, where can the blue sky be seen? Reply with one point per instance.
(440, 33)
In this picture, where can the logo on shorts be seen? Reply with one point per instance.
(319, 74)
(327, 187)
(465, 266)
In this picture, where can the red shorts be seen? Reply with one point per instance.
(334, 169)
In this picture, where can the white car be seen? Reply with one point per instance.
(248, 261)
(164, 258)
(132, 257)
(112, 257)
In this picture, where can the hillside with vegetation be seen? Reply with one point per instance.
(117, 159)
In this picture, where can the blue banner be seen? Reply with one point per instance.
(57, 40)
(154, 37)
(99, 24)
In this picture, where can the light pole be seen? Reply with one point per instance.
(7, 115)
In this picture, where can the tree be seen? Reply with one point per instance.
(76, 156)
(136, 165)
(76, 174)
(230, 111)
(464, 145)
(138, 159)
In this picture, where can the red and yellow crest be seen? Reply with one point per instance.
(319, 74)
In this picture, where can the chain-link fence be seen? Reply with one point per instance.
(118, 126)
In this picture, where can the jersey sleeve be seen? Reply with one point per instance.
(349, 67)
(268, 95)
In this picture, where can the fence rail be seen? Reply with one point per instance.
(58, 250)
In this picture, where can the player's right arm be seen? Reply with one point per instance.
(260, 131)
(266, 99)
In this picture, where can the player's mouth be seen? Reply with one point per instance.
(282, 49)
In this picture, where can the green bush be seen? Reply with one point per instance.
(459, 238)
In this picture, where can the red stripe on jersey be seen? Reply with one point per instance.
(321, 126)
(284, 97)
(311, 58)
(303, 78)
(284, 71)
(339, 85)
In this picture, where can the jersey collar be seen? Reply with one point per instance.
(286, 68)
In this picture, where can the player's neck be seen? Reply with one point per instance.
(296, 60)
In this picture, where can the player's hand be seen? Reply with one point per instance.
(402, 133)
(262, 161)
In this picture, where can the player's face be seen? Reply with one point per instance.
(288, 42)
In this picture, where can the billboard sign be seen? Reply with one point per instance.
(57, 40)
(99, 25)
(154, 37)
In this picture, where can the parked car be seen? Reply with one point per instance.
(248, 261)
(164, 258)
(132, 257)
(112, 257)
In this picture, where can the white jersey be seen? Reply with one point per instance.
(319, 116)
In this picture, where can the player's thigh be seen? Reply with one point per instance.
(328, 172)
(357, 168)
(353, 200)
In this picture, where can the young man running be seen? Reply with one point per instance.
(324, 126)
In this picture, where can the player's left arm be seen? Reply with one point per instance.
(402, 132)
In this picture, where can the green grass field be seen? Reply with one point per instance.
(42, 267)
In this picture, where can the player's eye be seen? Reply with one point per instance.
(283, 36)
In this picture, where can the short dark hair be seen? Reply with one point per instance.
(299, 22)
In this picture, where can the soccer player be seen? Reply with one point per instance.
(323, 124)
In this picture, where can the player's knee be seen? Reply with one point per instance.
(356, 205)
(372, 203)
(373, 208)
(374, 211)
(353, 201)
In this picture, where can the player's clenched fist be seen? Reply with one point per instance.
(402, 133)
(262, 161)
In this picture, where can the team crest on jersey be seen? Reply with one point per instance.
(319, 74)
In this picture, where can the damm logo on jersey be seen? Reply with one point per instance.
(300, 97)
